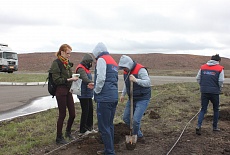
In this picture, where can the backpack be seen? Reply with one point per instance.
(51, 85)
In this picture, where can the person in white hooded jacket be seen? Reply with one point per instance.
(105, 95)
(138, 74)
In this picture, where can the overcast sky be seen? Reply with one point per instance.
(200, 27)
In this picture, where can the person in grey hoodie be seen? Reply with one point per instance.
(210, 78)
(105, 95)
(138, 74)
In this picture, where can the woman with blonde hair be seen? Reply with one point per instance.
(62, 77)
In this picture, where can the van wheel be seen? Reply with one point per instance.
(10, 71)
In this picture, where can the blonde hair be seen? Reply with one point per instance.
(64, 48)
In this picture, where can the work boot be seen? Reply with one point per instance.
(198, 130)
(141, 140)
(68, 135)
(60, 140)
(216, 129)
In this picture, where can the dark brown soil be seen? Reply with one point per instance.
(209, 143)
(174, 134)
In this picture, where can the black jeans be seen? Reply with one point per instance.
(86, 115)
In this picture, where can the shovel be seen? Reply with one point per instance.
(131, 139)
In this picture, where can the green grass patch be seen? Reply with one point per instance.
(5, 77)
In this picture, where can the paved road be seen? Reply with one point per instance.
(14, 96)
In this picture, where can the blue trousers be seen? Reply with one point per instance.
(205, 98)
(139, 108)
(105, 116)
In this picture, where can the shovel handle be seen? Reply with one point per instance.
(131, 107)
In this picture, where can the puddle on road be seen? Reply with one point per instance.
(38, 105)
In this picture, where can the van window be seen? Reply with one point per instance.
(10, 55)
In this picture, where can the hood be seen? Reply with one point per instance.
(125, 62)
(100, 47)
(212, 63)
(87, 59)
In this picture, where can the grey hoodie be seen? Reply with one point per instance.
(100, 66)
(143, 77)
(212, 63)
(125, 62)
(100, 47)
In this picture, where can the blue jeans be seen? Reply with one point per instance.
(105, 116)
(205, 98)
(139, 108)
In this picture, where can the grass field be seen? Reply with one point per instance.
(24, 77)
(23, 135)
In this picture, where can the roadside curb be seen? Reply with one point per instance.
(22, 83)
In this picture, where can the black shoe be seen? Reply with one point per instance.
(68, 135)
(101, 152)
(61, 140)
(141, 140)
(198, 131)
(216, 129)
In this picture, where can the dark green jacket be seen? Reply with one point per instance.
(60, 79)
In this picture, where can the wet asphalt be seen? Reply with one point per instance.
(16, 96)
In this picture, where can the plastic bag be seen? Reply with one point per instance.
(76, 87)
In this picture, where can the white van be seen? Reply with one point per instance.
(8, 59)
